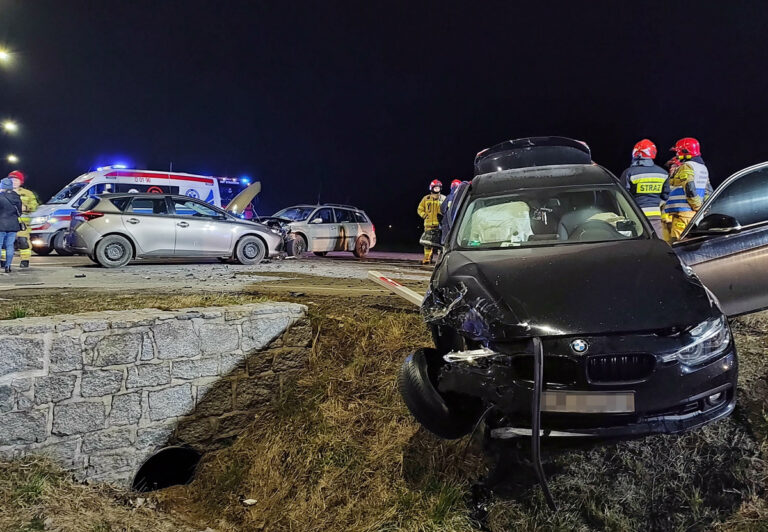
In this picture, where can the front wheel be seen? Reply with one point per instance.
(113, 251)
(362, 246)
(250, 250)
(297, 246)
(448, 416)
(58, 244)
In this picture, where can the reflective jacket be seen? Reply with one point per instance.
(648, 184)
(689, 187)
(29, 201)
(429, 208)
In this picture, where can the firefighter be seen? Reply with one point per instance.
(429, 211)
(666, 219)
(647, 182)
(29, 203)
(689, 186)
(445, 219)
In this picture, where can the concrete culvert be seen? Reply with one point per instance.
(171, 466)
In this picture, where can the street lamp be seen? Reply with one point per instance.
(12, 159)
(5, 56)
(9, 126)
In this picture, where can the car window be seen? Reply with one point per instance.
(326, 215)
(120, 203)
(148, 206)
(67, 193)
(343, 215)
(360, 217)
(548, 216)
(297, 214)
(89, 204)
(193, 209)
(746, 199)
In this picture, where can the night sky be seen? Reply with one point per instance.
(366, 102)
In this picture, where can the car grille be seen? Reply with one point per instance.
(620, 368)
(557, 369)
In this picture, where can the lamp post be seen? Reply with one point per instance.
(9, 126)
(11, 158)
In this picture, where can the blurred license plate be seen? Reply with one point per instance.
(588, 402)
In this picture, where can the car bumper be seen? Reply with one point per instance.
(82, 240)
(41, 240)
(674, 398)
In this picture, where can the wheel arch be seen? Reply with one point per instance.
(134, 248)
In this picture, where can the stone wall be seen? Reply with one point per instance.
(101, 392)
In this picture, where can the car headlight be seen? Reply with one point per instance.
(708, 340)
(38, 220)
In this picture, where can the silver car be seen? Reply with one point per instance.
(113, 229)
(328, 227)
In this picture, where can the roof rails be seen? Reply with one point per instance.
(532, 151)
(340, 205)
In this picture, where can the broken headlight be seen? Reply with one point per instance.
(708, 340)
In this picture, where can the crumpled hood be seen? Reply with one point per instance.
(579, 289)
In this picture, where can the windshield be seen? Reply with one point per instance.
(548, 216)
(67, 193)
(297, 214)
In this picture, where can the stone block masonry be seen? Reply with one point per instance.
(101, 392)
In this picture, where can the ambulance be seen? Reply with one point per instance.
(50, 222)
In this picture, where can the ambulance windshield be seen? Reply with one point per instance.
(67, 193)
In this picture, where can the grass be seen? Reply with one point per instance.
(339, 451)
(36, 496)
(39, 303)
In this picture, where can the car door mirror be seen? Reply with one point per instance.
(317, 221)
(716, 224)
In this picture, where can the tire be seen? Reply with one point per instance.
(297, 246)
(439, 414)
(42, 251)
(250, 250)
(320, 253)
(362, 246)
(58, 244)
(113, 251)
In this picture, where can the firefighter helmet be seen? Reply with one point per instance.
(455, 183)
(435, 183)
(687, 146)
(17, 175)
(645, 148)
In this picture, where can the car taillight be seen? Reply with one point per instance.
(373, 228)
(87, 216)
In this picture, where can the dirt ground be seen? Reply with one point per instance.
(339, 451)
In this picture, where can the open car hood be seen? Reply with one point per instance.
(579, 289)
(242, 200)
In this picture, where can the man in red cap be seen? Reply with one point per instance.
(647, 182)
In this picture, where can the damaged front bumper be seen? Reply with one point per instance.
(654, 397)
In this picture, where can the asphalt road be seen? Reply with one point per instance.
(55, 271)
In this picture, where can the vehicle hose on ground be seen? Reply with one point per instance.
(538, 381)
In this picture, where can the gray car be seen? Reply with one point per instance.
(328, 227)
(113, 229)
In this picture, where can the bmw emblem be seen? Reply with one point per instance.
(579, 346)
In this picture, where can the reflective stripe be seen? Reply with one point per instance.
(651, 211)
(678, 201)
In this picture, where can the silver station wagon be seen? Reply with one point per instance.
(328, 227)
(113, 229)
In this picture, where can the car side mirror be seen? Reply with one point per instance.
(716, 224)
(317, 221)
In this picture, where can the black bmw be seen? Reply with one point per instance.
(555, 258)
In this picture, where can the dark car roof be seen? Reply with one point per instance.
(542, 177)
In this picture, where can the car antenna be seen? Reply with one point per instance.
(538, 380)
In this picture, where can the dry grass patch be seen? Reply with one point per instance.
(34, 495)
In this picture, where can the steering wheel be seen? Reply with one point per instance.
(594, 230)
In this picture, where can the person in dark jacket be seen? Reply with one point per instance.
(647, 182)
(10, 210)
